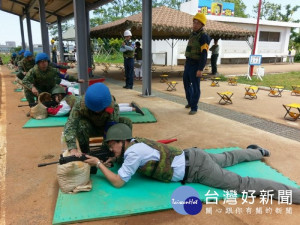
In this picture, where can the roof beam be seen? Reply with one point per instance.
(29, 6)
(69, 3)
(97, 4)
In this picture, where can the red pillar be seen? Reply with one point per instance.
(256, 33)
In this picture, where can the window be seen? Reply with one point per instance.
(269, 36)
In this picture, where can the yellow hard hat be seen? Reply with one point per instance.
(201, 17)
(52, 41)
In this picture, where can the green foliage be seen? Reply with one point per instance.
(115, 43)
(5, 57)
(239, 8)
(297, 57)
(111, 58)
(53, 29)
(16, 49)
(283, 79)
(118, 9)
(269, 11)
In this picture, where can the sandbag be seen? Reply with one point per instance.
(39, 111)
(74, 176)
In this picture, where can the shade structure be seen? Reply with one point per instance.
(168, 23)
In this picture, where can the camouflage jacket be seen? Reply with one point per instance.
(160, 170)
(24, 66)
(18, 59)
(99, 120)
(44, 81)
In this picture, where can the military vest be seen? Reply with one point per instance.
(193, 48)
(100, 119)
(128, 54)
(45, 81)
(160, 170)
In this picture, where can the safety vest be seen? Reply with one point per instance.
(160, 170)
(194, 48)
(128, 54)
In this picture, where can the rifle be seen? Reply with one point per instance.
(99, 153)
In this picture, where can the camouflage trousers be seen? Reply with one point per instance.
(208, 169)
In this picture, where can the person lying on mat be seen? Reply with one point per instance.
(64, 102)
(130, 107)
(42, 78)
(193, 165)
(91, 115)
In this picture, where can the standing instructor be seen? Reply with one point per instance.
(196, 56)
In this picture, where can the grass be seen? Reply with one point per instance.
(282, 79)
(115, 58)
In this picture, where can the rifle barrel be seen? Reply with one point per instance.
(46, 164)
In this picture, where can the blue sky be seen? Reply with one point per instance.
(10, 26)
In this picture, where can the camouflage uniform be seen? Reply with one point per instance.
(24, 66)
(84, 123)
(18, 59)
(43, 81)
(160, 170)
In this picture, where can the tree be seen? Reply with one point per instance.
(54, 29)
(239, 8)
(269, 11)
(118, 9)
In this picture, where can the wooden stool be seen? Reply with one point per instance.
(163, 78)
(215, 82)
(251, 92)
(295, 90)
(232, 80)
(225, 97)
(171, 86)
(275, 91)
(292, 115)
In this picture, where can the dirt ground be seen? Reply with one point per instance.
(28, 193)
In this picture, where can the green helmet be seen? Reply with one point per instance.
(58, 90)
(118, 132)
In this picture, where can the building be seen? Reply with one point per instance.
(10, 44)
(273, 37)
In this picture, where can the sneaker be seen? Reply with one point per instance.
(136, 78)
(192, 112)
(137, 108)
(263, 151)
(125, 86)
(187, 106)
(128, 87)
(141, 78)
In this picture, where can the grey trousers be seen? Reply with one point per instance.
(208, 169)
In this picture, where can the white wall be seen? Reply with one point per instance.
(229, 49)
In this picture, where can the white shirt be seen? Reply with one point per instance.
(139, 154)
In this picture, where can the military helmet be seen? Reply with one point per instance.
(27, 54)
(118, 132)
(58, 90)
(41, 56)
(97, 97)
(21, 51)
(201, 17)
(14, 55)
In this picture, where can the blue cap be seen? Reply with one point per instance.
(27, 54)
(41, 56)
(21, 51)
(97, 97)
(14, 54)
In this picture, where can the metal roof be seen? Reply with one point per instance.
(53, 8)
(168, 23)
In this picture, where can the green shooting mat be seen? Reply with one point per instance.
(139, 118)
(23, 99)
(142, 194)
(51, 121)
(18, 90)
